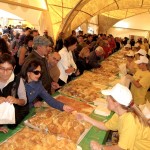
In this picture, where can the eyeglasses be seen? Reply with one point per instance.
(37, 72)
(6, 69)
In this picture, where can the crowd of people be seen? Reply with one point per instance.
(34, 67)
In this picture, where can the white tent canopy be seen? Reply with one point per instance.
(67, 15)
(140, 21)
(6, 14)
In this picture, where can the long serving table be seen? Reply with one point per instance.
(100, 79)
(93, 134)
(97, 79)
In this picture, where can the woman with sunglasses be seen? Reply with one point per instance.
(31, 74)
(132, 126)
(12, 89)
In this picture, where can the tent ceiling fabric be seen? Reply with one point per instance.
(116, 9)
(74, 13)
(59, 11)
(124, 13)
(32, 3)
(66, 15)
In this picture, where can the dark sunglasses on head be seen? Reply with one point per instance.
(36, 72)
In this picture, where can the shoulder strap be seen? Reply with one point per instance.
(15, 86)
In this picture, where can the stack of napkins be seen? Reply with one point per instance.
(146, 112)
(146, 109)
(102, 110)
(100, 101)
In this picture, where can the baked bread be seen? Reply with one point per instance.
(60, 123)
(28, 139)
(77, 105)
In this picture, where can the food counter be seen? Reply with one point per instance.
(50, 128)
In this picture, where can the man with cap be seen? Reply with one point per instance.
(141, 44)
(42, 49)
(140, 82)
(132, 126)
(127, 47)
(136, 47)
(95, 57)
(131, 65)
(139, 53)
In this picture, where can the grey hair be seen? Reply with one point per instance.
(99, 49)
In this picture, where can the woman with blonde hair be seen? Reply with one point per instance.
(84, 53)
(128, 120)
(82, 61)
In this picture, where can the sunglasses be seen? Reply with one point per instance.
(36, 72)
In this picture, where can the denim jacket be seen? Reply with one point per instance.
(35, 89)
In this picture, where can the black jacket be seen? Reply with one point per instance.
(11, 90)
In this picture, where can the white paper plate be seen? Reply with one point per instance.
(102, 110)
(79, 147)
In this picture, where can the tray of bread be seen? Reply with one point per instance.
(28, 139)
(86, 88)
(81, 92)
(118, 57)
(59, 123)
(79, 106)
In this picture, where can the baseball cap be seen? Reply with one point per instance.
(120, 93)
(143, 59)
(130, 54)
(142, 52)
(41, 41)
(128, 45)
